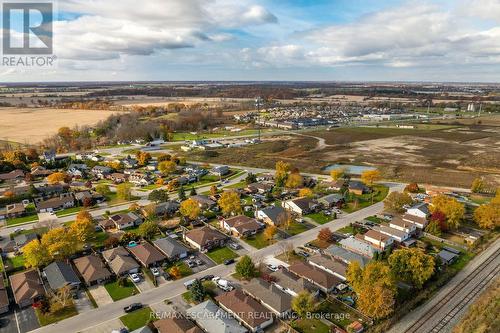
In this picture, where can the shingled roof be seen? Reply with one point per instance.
(26, 285)
(270, 295)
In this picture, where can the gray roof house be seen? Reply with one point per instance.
(331, 200)
(270, 215)
(347, 256)
(292, 284)
(172, 248)
(213, 319)
(270, 296)
(120, 261)
(60, 274)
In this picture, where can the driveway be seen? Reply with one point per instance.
(100, 295)
(83, 303)
(207, 263)
(27, 320)
(106, 327)
(8, 323)
(144, 284)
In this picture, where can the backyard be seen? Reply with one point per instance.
(310, 326)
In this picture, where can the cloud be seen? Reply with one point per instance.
(105, 29)
(483, 9)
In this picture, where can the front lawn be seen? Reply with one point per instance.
(22, 219)
(358, 202)
(136, 319)
(319, 218)
(118, 292)
(183, 268)
(50, 318)
(295, 228)
(310, 326)
(68, 211)
(258, 241)
(221, 254)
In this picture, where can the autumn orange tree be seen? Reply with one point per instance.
(487, 216)
(281, 173)
(375, 287)
(56, 177)
(306, 192)
(294, 180)
(167, 167)
(336, 174)
(83, 227)
(269, 232)
(369, 177)
(230, 203)
(451, 208)
(190, 208)
(325, 234)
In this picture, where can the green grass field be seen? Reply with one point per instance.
(221, 254)
(51, 318)
(310, 326)
(258, 241)
(319, 218)
(118, 292)
(295, 228)
(136, 319)
(362, 201)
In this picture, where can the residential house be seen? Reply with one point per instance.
(346, 256)
(292, 284)
(164, 209)
(4, 298)
(60, 274)
(271, 215)
(221, 170)
(21, 240)
(358, 188)
(147, 254)
(204, 201)
(246, 309)
(101, 172)
(420, 222)
(332, 200)
(12, 211)
(377, 239)
(120, 261)
(48, 155)
(301, 206)
(402, 225)
(13, 176)
(48, 191)
(333, 185)
(77, 170)
(27, 287)
(398, 235)
(94, 197)
(448, 256)
(419, 210)
(64, 201)
(213, 319)
(176, 324)
(325, 281)
(125, 220)
(140, 179)
(358, 246)
(17, 189)
(205, 238)
(272, 297)
(171, 248)
(40, 171)
(129, 162)
(329, 264)
(118, 178)
(92, 269)
(241, 225)
(261, 188)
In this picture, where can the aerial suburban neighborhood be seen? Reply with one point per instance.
(254, 166)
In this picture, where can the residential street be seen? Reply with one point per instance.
(169, 290)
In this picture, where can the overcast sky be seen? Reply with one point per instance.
(440, 40)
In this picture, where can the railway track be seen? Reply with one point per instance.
(477, 288)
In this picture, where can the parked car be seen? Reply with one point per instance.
(207, 277)
(135, 277)
(155, 271)
(303, 254)
(133, 307)
(224, 285)
(191, 264)
(272, 268)
(228, 261)
(17, 230)
(234, 246)
(198, 262)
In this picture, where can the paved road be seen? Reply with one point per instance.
(444, 310)
(111, 311)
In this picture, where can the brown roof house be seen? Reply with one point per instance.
(325, 281)
(176, 324)
(92, 269)
(301, 206)
(147, 254)
(329, 264)
(27, 287)
(4, 298)
(247, 310)
(270, 296)
(13, 210)
(125, 220)
(12, 176)
(241, 225)
(120, 261)
(65, 200)
(205, 238)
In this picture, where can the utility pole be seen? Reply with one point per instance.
(258, 103)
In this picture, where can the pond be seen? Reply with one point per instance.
(350, 168)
